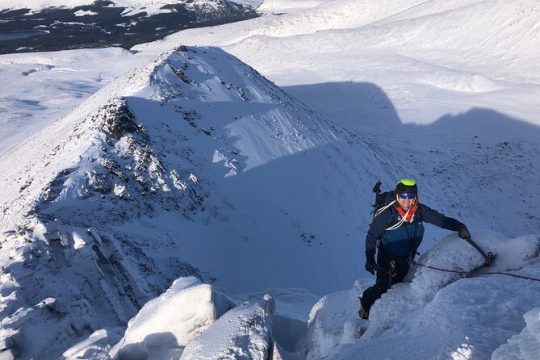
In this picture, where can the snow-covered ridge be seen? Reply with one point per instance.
(142, 182)
(106, 119)
(57, 147)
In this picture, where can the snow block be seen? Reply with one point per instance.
(166, 324)
(7, 355)
(96, 346)
(243, 332)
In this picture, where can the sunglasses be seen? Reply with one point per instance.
(407, 196)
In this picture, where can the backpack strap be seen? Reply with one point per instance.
(380, 210)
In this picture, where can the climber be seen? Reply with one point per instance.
(395, 233)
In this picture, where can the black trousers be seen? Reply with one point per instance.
(390, 270)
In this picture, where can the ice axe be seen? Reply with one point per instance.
(377, 187)
(489, 257)
(379, 200)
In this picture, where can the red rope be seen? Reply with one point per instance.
(514, 275)
(439, 269)
(472, 273)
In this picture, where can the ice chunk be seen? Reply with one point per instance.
(243, 332)
(166, 324)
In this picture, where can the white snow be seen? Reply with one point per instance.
(214, 172)
(165, 325)
(68, 77)
(253, 3)
(525, 345)
(96, 346)
(85, 13)
(243, 332)
(42, 4)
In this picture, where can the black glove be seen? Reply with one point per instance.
(464, 233)
(371, 265)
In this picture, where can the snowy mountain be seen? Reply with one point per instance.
(192, 163)
(190, 208)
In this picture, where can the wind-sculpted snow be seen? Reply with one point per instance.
(333, 321)
(167, 324)
(96, 346)
(525, 345)
(244, 332)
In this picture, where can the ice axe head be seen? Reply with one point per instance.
(490, 257)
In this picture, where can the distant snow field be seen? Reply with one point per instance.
(208, 195)
(84, 13)
(42, 4)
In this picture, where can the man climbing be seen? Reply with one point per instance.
(396, 232)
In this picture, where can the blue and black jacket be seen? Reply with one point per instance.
(405, 240)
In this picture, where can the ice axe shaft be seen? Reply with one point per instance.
(488, 257)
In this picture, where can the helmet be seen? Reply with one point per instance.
(406, 186)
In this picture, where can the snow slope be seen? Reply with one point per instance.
(47, 86)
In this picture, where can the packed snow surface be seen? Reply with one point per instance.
(126, 175)
(69, 77)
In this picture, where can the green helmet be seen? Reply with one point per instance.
(406, 186)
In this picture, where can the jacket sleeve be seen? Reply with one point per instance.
(376, 229)
(436, 218)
